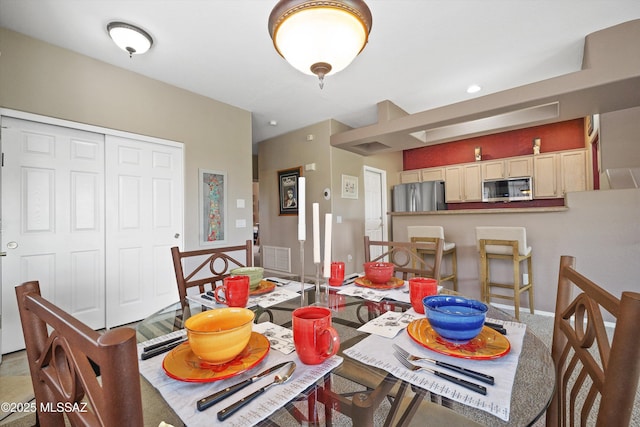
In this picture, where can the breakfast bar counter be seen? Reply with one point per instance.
(482, 211)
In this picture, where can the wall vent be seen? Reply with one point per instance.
(276, 258)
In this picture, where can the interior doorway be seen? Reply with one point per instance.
(375, 202)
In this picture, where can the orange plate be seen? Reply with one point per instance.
(391, 284)
(264, 287)
(488, 345)
(183, 365)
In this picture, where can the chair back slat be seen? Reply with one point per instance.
(405, 256)
(63, 356)
(204, 267)
(589, 364)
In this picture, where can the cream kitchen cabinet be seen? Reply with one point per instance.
(556, 174)
(463, 183)
(545, 176)
(573, 171)
(493, 169)
(432, 174)
(407, 177)
(515, 167)
(518, 167)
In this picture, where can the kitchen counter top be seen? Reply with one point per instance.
(484, 211)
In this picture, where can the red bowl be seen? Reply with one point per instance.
(378, 272)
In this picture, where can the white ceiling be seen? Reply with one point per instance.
(421, 54)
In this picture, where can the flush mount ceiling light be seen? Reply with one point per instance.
(130, 38)
(320, 37)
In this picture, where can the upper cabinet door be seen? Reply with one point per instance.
(544, 176)
(407, 177)
(573, 167)
(433, 174)
(519, 167)
(473, 183)
(493, 169)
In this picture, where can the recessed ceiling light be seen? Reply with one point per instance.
(473, 89)
(273, 123)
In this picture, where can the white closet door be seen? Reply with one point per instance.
(144, 195)
(52, 221)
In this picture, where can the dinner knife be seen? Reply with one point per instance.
(162, 343)
(159, 350)
(207, 402)
(496, 327)
(350, 279)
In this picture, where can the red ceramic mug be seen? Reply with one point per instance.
(313, 336)
(236, 291)
(337, 273)
(420, 287)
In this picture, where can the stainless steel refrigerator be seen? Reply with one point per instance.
(419, 197)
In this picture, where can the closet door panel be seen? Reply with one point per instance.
(52, 220)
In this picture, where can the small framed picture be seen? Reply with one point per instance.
(213, 194)
(349, 187)
(288, 190)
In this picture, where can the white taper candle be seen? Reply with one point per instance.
(316, 233)
(302, 225)
(327, 245)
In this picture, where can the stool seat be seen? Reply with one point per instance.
(447, 246)
(427, 233)
(505, 243)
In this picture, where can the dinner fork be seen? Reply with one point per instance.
(459, 369)
(466, 384)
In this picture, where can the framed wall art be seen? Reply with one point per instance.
(213, 194)
(349, 187)
(288, 190)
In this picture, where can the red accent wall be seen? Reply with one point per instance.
(554, 137)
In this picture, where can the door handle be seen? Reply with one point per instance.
(3, 254)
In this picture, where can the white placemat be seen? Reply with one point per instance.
(498, 398)
(400, 294)
(390, 323)
(182, 396)
(278, 295)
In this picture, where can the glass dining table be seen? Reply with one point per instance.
(355, 392)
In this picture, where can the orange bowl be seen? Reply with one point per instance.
(218, 336)
(378, 272)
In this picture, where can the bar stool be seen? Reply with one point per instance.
(427, 233)
(507, 243)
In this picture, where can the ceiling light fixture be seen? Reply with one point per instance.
(130, 38)
(320, 37)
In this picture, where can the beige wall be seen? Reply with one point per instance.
(39, 78)
(620, 139)
(293, 150)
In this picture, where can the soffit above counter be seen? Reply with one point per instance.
(609, 81)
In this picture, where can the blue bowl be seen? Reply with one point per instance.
(454, 318)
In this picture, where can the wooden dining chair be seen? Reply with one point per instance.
(405, 256)
(204, 267)
(590, 367)
(63, 354)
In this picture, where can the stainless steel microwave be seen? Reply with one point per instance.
(507, 190)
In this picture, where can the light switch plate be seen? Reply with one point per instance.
(240, 203)
(241, 223)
